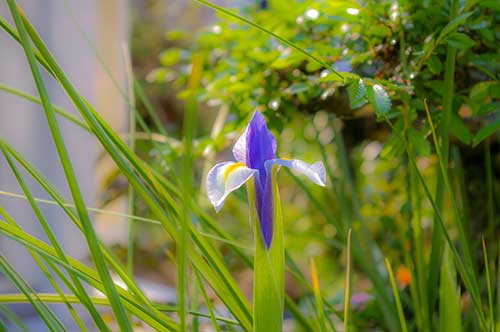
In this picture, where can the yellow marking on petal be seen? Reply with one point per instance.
(232, 168)
(285, 158)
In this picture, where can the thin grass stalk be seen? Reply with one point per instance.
(317, 296)
(187, 190)
(207, 301)
(347, 293)
(399, 307)
(132, 132)
(489, 287)
(449, 86)
(33, 99)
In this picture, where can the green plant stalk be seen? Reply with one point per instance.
(269, 266)
(89, 231)
(190, 116)
(415, 225)
(489, 190)
(347, 293)
(489, 288)
(208, 303)
(79, 288)
(449, 87)
(132, 132)
(402, 320)
(449, 296)
(33, 99)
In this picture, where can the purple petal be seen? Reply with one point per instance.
(261, 145)
(266, 213)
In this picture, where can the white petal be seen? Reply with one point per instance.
(240, 148)
(315, 172)
(224, 178)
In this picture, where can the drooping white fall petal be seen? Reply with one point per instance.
(315, 172)
(225, 178)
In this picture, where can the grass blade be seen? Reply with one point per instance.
(449, 296)
(399, 307)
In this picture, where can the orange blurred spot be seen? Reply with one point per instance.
(403, 276)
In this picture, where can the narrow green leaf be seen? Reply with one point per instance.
(489, 288)
(449, 296)
(486, 132)
(460, 41)
(402, 319)
(460, 130)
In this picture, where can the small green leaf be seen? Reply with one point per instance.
(297, 88)
(419, 142)
(434, 64)
(486, 132)
(357, 92)
(170, 57)
(333, 77)
(460, 41)
(460, 130)
(452, 25)
(489, 108)
(379, 99)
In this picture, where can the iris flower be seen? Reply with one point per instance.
(255, 154)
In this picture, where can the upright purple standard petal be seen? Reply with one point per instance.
(266, 213)
(260, 147)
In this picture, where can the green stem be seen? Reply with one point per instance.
(449, 91)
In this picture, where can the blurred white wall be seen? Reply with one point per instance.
(23, 124)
